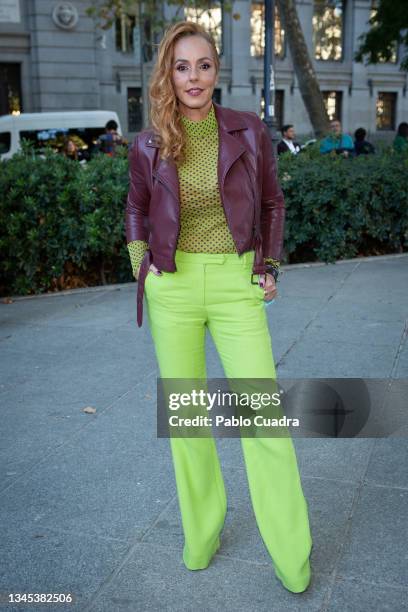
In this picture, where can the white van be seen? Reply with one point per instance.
(53, 129)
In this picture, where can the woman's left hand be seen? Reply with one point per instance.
(269, 286)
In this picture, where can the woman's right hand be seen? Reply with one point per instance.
(152, 268)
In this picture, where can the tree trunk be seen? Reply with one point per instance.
(306, 76)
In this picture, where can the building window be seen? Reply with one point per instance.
(135, 109)
(332, 102)
(10, 89)
(393, 48)
(385, 110)
(258, 31)
(5, 142)
(328, 18)
(279, 106)
(124, 26)
(211, 19)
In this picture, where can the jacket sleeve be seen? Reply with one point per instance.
(138, 199)
(272, 201)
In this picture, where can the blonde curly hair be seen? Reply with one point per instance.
(164, 113)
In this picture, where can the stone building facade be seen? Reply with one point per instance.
(53, 57)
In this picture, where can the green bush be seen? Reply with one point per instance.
(339, 208)
(62, 223)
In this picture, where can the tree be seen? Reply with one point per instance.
(389, 27)
(302, 64)
(149, 12)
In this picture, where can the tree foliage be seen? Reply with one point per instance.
(389, 27)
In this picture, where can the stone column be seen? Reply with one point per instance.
(240, 88)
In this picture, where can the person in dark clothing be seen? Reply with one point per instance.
(288, 141)
(108, 142)
(361, 145)
(401, 139)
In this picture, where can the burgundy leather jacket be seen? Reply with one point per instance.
(250, 194)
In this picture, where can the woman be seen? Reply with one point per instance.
(72, 151)
(204, 218)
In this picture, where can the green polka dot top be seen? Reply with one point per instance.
(203, 226)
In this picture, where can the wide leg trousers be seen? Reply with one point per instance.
(214, 290)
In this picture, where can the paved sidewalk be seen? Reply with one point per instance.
(88, 502)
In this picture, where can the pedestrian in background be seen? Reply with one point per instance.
(361, 145)
(337, 142)
(72, 151)
(108, 142)
(288, 141)
(400, 143)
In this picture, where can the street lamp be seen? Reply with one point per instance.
(269, 72)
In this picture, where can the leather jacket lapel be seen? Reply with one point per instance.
(229, 150)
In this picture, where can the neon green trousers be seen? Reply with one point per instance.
(214, 290)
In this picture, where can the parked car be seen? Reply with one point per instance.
(54, 129)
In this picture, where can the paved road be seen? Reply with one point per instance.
(88, 501)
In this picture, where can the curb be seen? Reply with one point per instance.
(119, 286)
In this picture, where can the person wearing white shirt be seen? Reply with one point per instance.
(288, 141)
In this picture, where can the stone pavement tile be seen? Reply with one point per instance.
(40, 340)
(388, 463)
(36, 559)
(376, 549)
(395, 408)
(365, 279)
(230, 453)
(317, 359)
(125, 348)
(402, 366)
(104, 309)
(383, 307)
(31, 429)
(342, 459)
(105, 482)
(290, 317)
(390, 262)
(31, 343)
(155, 578)
(361, 332)
(37, 310)
(359, 596)
(329, 505)
(314, 280)
(43, 424)
(101, 371)
(61, 360)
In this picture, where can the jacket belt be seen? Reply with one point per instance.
(259, 265)
(143, 270)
